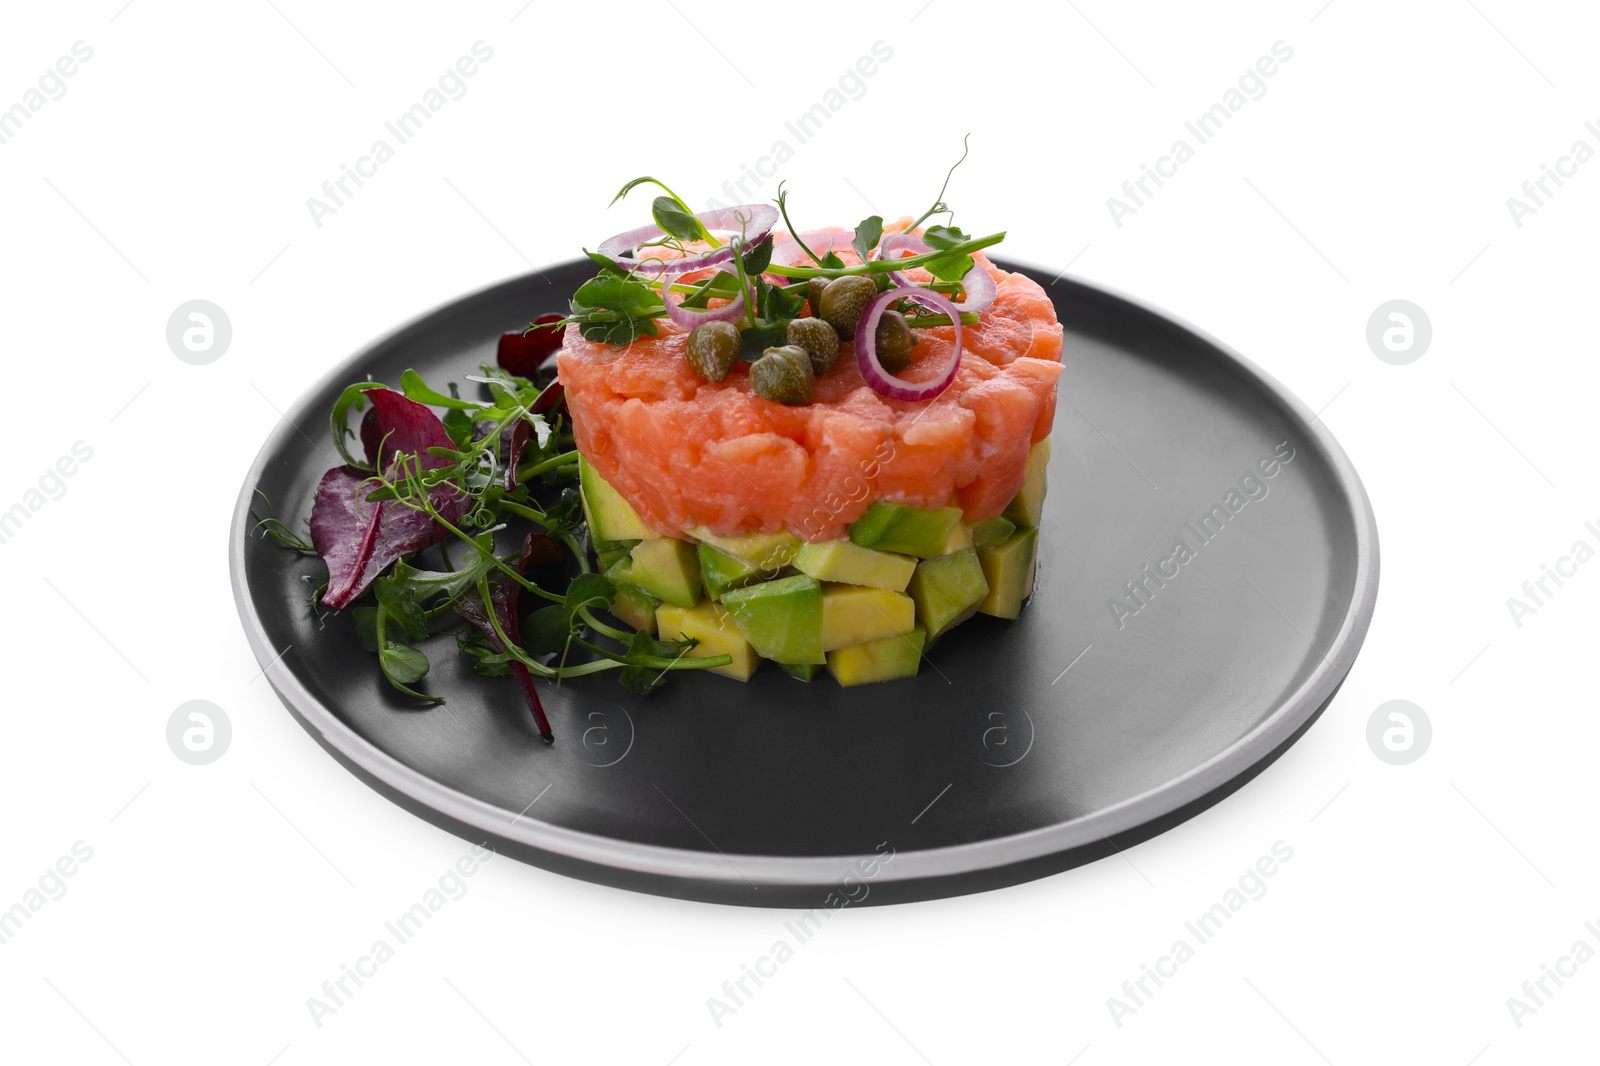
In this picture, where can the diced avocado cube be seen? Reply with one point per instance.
(610, 517)
(722, 571)
(947, 590)
(960, 538)
(804, 671)
(781, 619)
(635, 607)
(894, 527)
(768, 551)
(878, 660)
(854, 614)
(665, 568)
(708, 623)
(992, 532)
(1009, 571)
(614, 553)
(851, 564)
(1028, 506)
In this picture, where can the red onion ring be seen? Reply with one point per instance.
(872, 371)
(756, 223)
(978, 283)
(690, 317)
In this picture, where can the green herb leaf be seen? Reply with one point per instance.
(414, 388)
(642, 680)
(758, 338)
(400, 604)
(547, 630)
(759, 257)
(402, 663)
(609, 266)
(868, 232)
(832, 262)
(367, 627)
(339, 420)
(672, 218)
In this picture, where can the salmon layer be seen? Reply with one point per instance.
(688, 453)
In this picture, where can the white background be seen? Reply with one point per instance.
(1377, 166)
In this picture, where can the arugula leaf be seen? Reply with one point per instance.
(672, 218)
(868, 232)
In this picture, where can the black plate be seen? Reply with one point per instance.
(1021, 749)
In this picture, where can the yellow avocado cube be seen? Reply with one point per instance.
(713, 627)
(851, 564)
(854, 614)
(878, 660)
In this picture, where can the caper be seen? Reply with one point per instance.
(783, 375)
(893, 340)
(819, 340)
(814, 289)
(712, 349)
(843, 300)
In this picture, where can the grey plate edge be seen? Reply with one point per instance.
(823, 870)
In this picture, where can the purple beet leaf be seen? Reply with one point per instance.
(358, 538)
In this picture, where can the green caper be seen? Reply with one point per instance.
(819, 340)
(712, 349)
(783, 375)
(814, 289)
(894, 341)
(843, 300)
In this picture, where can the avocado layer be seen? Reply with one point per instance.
(722, 571)
(635, 606)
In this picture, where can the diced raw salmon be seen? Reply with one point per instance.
(686, 452)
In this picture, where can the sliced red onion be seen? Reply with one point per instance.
(866, 342)
(978, 282)
(756, 220)
(690, 317)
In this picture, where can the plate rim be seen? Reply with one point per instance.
(820, 871)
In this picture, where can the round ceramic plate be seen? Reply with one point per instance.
(1208, 564)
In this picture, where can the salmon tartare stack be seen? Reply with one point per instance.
(824, 448)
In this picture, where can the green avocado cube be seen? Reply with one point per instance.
(635, 607)
(804, 671)
(947, 590)
(722, 571)
(1009, 571)
(895, 527)
(781, 619)
(851, 564)
(769, 551)
(665, 568)
(878, 660)
(1028, 506)
(992, 532)
(610, 517)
